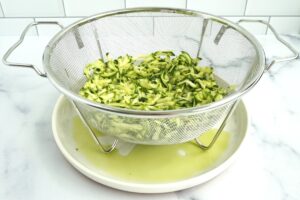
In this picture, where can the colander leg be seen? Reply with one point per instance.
(218, 133)
(104, 149)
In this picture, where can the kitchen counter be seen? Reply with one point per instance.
(32, 167)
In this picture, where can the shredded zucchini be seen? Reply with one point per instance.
(157, 81)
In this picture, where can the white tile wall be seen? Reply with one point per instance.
(156, 3)
(90, 7)
(285, 25)
(218, 7)
(1, 12)
(273, 7)
(32, 8)
(15, 14)
(254, 28)
(15, 26)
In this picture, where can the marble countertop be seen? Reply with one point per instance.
(32, 167)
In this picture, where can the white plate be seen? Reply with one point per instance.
(63, 120)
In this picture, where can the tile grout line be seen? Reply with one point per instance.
(30, 17)
(260, 15)
(36, 28)
(2, 9)
(153, 26)
(63, 4)
(245, 7)
(283, 16)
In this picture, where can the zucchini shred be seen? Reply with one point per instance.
(156, 81)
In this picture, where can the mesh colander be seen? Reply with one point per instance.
(236, 56)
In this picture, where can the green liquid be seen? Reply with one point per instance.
(152, 164)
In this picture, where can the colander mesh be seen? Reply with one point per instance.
(234, 60)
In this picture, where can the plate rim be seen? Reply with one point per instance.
(145, 187)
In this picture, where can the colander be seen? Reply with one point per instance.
(236, 56)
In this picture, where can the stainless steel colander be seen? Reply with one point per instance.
(236, 56)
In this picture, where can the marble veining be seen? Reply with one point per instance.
(31, 166)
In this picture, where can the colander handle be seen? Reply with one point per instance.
(14, 46)
(292, 49)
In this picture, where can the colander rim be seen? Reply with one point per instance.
(163, 113)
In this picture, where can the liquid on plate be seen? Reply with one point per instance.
(145, 163)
